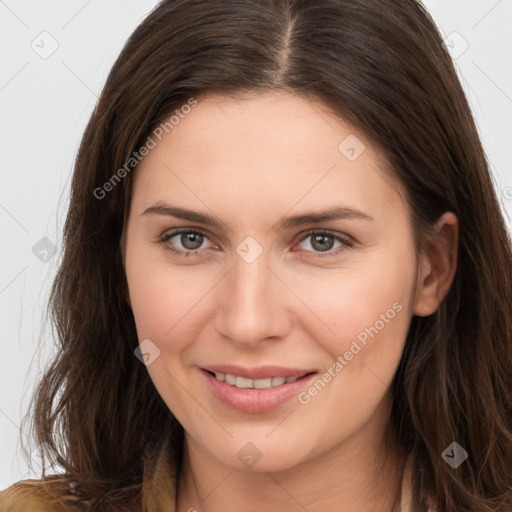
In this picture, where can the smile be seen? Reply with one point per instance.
(257, 390)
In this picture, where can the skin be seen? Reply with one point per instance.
(252, 161)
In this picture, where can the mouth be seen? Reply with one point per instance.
(256, 390)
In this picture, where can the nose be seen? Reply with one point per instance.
(253, 305)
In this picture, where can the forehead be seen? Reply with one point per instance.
(259, 149)
(256, 126)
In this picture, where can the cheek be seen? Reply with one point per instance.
(370, 317)
(166, 303)
(365, 313)
(349, 300)
(163, 298)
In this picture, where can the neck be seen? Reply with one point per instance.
(361, 473)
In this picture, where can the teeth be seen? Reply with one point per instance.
(262, 383)
(230, 379)
(243, 383)
(278, 381)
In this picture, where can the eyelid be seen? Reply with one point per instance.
(319, 231)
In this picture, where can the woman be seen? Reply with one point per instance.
(287, 283)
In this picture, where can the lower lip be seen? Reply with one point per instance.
(252, 400)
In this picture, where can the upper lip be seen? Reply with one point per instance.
(260, 372)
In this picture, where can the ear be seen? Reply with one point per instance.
(437, 265)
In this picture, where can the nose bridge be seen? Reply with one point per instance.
(252, 307)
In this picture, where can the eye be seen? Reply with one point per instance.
(190, 242)
(184, 241)
(324, 242)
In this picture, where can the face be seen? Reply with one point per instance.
(263, 241)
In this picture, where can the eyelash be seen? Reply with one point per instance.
(346, 242)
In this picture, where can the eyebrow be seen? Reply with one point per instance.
(183, 213)
(336, 213)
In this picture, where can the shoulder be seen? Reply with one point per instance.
(48, 495)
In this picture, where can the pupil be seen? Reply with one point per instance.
(322, 242)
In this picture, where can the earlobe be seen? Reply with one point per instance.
(438, 263)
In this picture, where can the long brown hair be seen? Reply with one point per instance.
(382, 67)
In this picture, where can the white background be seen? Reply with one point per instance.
(45, 104)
